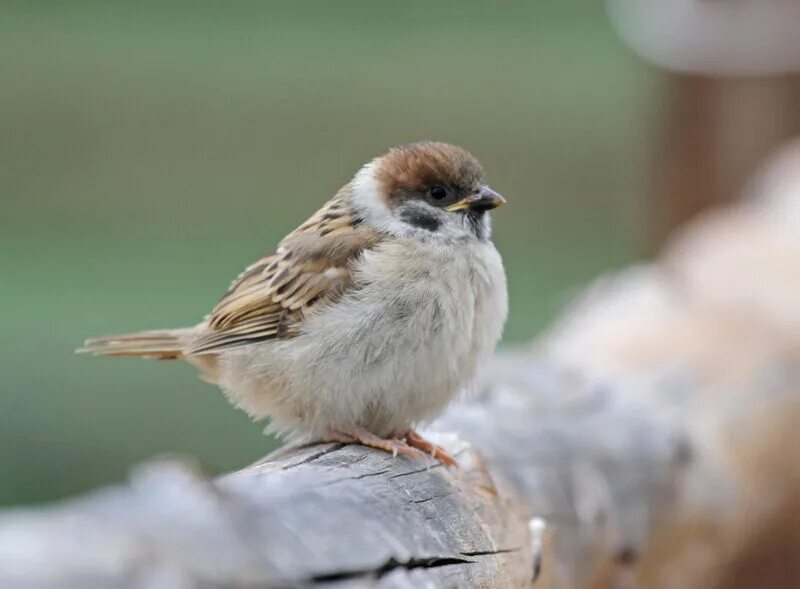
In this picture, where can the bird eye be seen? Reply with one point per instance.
(438, 193)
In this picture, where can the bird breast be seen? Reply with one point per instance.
(396, 348)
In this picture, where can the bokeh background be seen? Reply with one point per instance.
(149, 151)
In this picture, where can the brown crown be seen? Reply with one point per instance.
(419, 166)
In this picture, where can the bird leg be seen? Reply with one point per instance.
(357, 435)
(415, 440)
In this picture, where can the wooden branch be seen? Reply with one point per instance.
(647, 440)
(321, 516)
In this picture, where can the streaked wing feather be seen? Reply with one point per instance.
(311, 268)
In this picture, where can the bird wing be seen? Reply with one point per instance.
(312, 267)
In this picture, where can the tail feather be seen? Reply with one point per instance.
(159, 344)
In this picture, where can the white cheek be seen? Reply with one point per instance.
(367, 199)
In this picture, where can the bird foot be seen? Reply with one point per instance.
(394, 446)
(415, 440)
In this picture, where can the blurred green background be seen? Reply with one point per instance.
(151, 150)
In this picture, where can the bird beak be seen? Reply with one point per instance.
(483, 200)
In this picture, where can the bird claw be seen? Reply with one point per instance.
(394, 446)
(415, 440)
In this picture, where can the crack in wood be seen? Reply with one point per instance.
(421, 470)
(314, 456)
(490, 552)
(353, 478)
(413, 563)
(431, 498)
(389, 566)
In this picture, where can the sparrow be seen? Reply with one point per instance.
(368, 319)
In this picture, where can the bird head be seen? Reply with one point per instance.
(428, 189)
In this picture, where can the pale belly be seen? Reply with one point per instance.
(391, 355)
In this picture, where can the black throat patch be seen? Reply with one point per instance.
(477, 223)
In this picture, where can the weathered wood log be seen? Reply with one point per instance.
(327, 515)
(646, 440)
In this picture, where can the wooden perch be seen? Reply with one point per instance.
(327, 516)
(647, 440)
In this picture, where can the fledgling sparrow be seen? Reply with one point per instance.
(368, 318)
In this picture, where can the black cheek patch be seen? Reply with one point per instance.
(421, 220)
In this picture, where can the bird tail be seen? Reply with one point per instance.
(158, 344)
